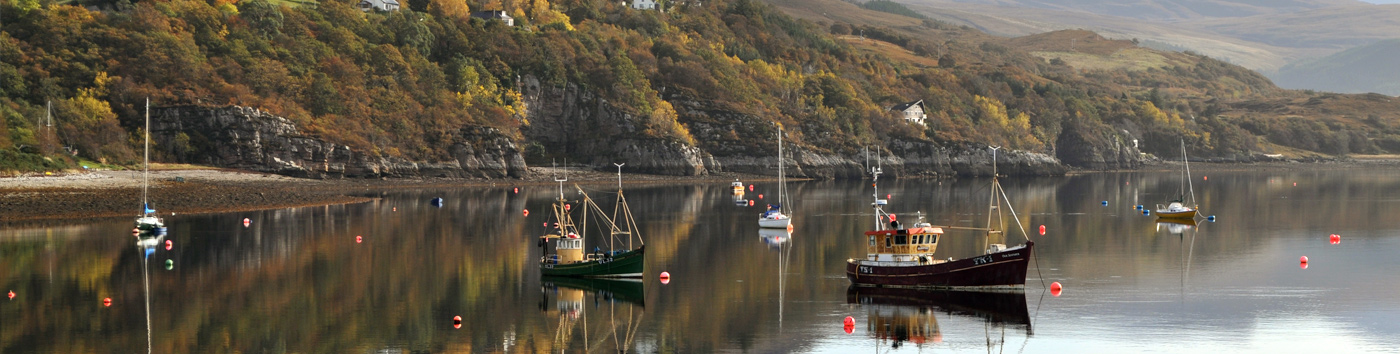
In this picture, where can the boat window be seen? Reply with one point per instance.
(935, 239)
(887, 241)
(872, 241)
(901, 240)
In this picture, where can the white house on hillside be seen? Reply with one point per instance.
(913, 112)
(644, 4)
(495, 15)
(381, 5)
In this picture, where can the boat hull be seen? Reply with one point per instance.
(1187, 214)
(1000, 271)
(775, 223)
(626, 265)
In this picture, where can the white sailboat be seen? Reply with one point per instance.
(148, 221)
(774, 217)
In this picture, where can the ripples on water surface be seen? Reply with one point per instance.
(295, 280)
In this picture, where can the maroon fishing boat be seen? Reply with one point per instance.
(904, 257)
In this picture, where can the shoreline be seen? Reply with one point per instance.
(109, 194)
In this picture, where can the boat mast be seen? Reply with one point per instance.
(875, 183)
(994, 205)
(620, 203)
(1187, 176)
(781, 184)
(146, 178)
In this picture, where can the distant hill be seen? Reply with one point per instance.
(1369, 68)
(1260, 35)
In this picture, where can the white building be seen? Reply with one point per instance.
(381, 5)
(495, 15)
(912, 112)
(644, 4)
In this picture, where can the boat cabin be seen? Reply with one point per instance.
(567, 249)
(903, 245)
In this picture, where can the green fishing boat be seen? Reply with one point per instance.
(569, 257)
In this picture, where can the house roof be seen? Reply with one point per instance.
(905, 106)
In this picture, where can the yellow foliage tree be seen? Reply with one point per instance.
(453, 9)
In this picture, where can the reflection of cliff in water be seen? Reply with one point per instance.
(907, 315)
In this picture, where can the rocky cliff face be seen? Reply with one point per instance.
(566, 122)
(251, 139)
(582, 127)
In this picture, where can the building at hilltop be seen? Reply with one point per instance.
(644, 4)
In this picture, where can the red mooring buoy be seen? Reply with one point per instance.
(169, 245)
(849, 325)
(665, 277)
(1303, 262)
(12, 294)
(760, 196)
(750, 187)
(1336, 239)
(1205, 178)
(1042, 230)
(1055, 289)
(107, 302)
(359, 239)
(516, 190)
(527, 212)
(751, 202)
(456, 321)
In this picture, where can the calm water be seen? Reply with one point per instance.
(296, 280)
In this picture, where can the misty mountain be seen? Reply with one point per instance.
(1369, 68)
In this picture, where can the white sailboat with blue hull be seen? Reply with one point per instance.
(774, 217)
(148, 222)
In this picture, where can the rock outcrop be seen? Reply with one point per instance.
(251, 139)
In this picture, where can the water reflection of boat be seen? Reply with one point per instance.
(739, 200)
(904, 315)
(607, 290)
(574, 298)
(774, 237)
(900, 257)
(1176, 226)
(147, 245)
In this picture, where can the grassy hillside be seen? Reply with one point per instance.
(402, 83)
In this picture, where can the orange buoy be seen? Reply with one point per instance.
(169, 245)
(760, 196)
(359, 239)
(1205, 178)
(12, 294)
(1042, 230)
(665, 278)
(527, 212)
(789, 227)
(1295, 184)
(1336, 239)
(456, 321)
(107, 302)
(396, 208)
(1055, 289)
(750, 202)
(517, 190)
